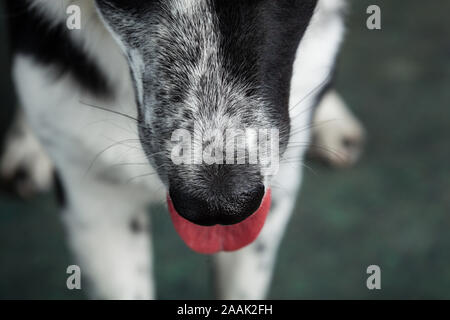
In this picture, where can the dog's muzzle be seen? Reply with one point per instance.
(224, 228)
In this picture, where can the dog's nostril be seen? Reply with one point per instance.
(224, 209)
(253, 200)
(189, 207)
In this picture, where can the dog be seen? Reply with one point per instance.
(99, 106)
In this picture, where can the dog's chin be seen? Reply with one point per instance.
(213, 239)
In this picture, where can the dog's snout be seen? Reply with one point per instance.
(216, 207)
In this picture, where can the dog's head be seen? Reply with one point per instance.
(209, 74)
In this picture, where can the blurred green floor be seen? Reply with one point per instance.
(392, 210)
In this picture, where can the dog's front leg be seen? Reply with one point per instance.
(246, 274)
(108, 233)
(337, 135)
(25, 168)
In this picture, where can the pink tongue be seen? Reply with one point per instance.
(217, 238)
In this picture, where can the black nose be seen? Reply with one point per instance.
(213, 208)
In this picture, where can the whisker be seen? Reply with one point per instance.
(136, 163)
(109, 110)
(129, 164)
(142, 176)
(311, 126)
(299, 161)
(103, 151)
(320, 147)
(278, 186)
(311, 92)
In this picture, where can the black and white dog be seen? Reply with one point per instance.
(105, 100)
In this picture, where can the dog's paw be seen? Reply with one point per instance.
(25, 168)
(337, 136)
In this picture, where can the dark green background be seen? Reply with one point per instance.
(392, 210)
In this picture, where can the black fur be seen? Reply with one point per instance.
(33, 35)
(136, 226)
(259, 42)
(60, 191)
